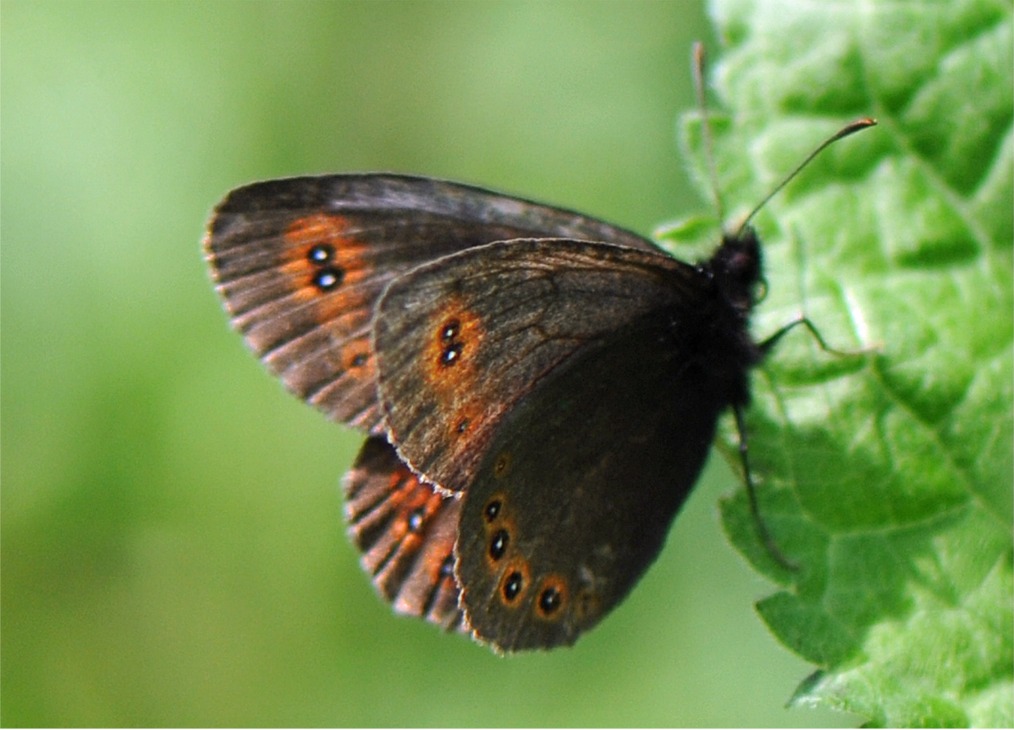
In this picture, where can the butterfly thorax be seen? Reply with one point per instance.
(725, 352)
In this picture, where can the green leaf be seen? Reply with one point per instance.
(887, 476)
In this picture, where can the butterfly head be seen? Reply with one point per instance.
(736, 268)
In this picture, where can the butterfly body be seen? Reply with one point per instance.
(541, 389)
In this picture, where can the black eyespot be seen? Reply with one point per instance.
(492, 510)
(328, 278)
(415, 519)
(462, 425)
(451, 354)
(498, 545)
(322, 253)
(358, 360)
(450, 330)
(513, 585)
(447, 567)
(550, 600)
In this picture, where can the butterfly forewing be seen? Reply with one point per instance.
(301, 263)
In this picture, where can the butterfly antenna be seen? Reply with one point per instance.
(850, 128)
(709, 147)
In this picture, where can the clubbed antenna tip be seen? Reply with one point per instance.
(850, 128)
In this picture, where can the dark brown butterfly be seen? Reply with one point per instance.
(540, 388)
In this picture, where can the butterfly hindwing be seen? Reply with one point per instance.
(405, 531)
(579, 483)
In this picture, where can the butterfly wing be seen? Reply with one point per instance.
(405, 531)
(461, 341)
(579, 484)
(301, 262)
(570, 390)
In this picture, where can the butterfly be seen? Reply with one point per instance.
(539, 389)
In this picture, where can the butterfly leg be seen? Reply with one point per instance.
(751, 491)
(768, 344)
(765, 347)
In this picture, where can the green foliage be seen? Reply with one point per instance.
(887, 476)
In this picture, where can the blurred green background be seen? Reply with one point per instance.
(172, 540)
